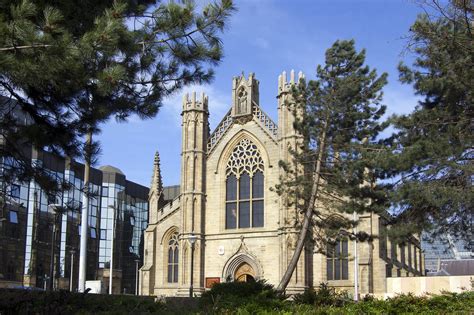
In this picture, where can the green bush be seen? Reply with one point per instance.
(248, 296)
(324, 295)
(449, 303)
(65, 302)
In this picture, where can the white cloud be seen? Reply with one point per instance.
(400, 100)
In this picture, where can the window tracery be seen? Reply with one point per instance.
(244, 187)
(245, 158)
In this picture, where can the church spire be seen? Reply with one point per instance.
(156, 187)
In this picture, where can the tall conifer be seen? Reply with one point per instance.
(339, 122)
(430, 159)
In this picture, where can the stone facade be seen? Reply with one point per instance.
(227, 223)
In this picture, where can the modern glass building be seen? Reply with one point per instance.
(26, 226)
(443, 248)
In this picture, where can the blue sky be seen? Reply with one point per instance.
(267, 37)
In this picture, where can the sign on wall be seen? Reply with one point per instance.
(211, 281)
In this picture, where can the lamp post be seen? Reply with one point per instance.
(111, 267)
(192, 241)
(56, 208)
(137, 261)
(72, 269)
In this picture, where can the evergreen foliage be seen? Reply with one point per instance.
(71, 65)
(430, 158)
(231, 295)
(324, 295)
(338, 116)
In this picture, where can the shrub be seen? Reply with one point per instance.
(64, 302)
(229, 296)
(324, 295)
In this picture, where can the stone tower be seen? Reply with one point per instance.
(195, 133)
(289, 139)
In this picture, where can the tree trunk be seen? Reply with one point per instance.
(308, 213)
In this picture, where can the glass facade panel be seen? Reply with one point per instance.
(15, 191)
(93, 233)
(13, 216)
(103, 234)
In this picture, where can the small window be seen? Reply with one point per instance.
(103, 234)
(13, 216)
(15, 191)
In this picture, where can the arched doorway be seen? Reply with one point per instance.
(244, 273)
(242, 267)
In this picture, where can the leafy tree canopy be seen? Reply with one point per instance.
(431, 154)
(68, 66)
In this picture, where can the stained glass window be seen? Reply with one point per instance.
(244, 187)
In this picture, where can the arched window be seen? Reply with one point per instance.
(173, 258)
(244, 187)
(337, 260)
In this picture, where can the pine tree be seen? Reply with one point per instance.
(431, 153)
(339, 115)
(70, 66)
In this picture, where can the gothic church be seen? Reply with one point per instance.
(227, 223)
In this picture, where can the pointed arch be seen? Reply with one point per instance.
(236, 261)
(229, 147)
(171, 248)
